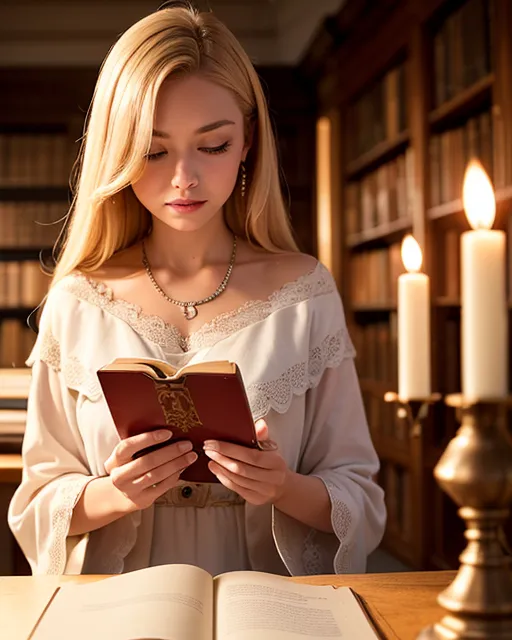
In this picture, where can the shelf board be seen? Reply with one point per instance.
(446, 301)
(20, 313)
(385, 150)
(21, 254)
(34, 194)
(374, 307)
(379, 233)
(503, 199)
(468, 98)
(446, 209)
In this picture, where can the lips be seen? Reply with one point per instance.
(186, 206)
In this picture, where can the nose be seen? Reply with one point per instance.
(185, 176)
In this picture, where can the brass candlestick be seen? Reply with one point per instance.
(413, 411)
(476, 472)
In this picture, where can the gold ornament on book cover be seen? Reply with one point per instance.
(178, 407)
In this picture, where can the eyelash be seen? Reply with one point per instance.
(209, 150)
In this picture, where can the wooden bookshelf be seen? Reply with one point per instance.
(381, 233)
(468, 101)
(455, 104)
(380, 153)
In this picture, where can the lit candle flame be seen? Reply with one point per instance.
(478, 197)
(412, 256)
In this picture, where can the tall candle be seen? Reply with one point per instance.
(413, 325)
(484, 298)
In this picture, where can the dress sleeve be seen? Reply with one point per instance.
(55, 469)
(339, 451)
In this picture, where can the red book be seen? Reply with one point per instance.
(204, 401)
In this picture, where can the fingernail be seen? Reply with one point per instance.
(192, 457)
(164, 434)
(184, 446)
(210, 444)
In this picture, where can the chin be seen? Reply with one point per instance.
(190, 222)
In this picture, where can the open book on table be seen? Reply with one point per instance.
(183, 602)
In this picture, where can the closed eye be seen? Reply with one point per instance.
(213, 150)
(154, 156)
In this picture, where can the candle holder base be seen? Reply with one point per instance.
(476, 472)
(413, 410)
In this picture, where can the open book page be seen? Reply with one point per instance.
(166, 602)
(252, 606)
(140, 364)
(22, 603)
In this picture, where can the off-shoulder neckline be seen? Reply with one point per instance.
(315, 281)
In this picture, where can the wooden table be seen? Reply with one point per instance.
(401, 604)
(10, 468)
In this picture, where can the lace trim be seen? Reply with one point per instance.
(315, 283)
(278, 394)
(341, 518)
(66, 496)
(75, 375)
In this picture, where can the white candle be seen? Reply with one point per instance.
(484, 298)
(413, 325)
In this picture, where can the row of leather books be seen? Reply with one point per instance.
(450, 153)
(30, 224)
(461, 49)
(381, 196)
(16, 342)
(376, 350)
(374, 276)
(28, 160)
(379, 114)
(22, 283)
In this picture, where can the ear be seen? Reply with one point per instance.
(248, 141)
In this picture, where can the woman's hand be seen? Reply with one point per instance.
(146, 478)
(257, 476)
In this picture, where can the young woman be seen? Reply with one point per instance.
(179, 248)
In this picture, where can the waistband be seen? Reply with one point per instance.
(187, 494)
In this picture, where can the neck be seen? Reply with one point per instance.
(187, 252)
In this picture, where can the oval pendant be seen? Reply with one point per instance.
(190, 312)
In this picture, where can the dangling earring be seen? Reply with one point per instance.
(244, 179)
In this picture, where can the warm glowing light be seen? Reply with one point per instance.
(478, 197)
(411, 254)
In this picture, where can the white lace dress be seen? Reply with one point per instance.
(296, 359)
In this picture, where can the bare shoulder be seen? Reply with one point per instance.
(274, 270)
(288, 267)
(121, 271)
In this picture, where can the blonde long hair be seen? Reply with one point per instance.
(105, 215)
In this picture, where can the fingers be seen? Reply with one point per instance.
(171, 469)
(244, 470)
(261, 429)
(263, 459)
(142, 471)
(130, 446)
(253, 497)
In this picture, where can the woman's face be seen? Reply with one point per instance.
(196, 150)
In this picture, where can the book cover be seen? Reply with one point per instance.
(200, 402)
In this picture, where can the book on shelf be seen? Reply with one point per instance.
(380, 113)
(184, 601)
(381, 196)
(203, 401)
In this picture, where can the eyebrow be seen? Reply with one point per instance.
(204, 129)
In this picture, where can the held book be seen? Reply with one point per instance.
(203, 401)
(184, 602)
